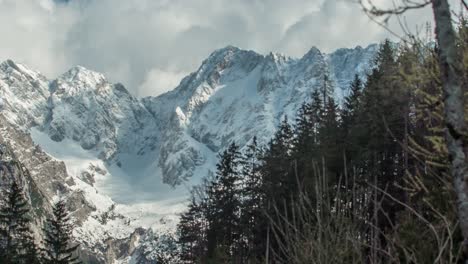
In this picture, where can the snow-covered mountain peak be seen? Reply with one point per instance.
(357, 49)
(14, 69)
(79, 79)
(79, 73)
(239, 90)
(312, 54)
(227, 63)
(229, 49)
(24, 94)
(9, 66)
(278, 59)
(346, 62)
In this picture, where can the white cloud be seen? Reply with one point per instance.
(31, 32)
(158, 81)
(140, 42)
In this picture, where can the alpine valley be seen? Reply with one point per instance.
(125, 165)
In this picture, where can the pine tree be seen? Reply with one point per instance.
(284, 138)
(306, 150)
(351, 103)
(277, 166)
(253, 198)
(279, 184)
(304, 130)
(330, 138)
(378, 134)
(349, 115)
(224, 200)
(33, 254)
(192, 233)
(18, 244)
(58, 239)
(327, 89)
(316, 110)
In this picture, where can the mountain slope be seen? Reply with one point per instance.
(237, 94)
(109, 153)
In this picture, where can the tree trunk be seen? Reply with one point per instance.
(456, 132)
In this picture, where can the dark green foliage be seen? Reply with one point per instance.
(17, 241)
(370, 175)
(304, 129)
(330, 139)
(58, 240)
(191, 230)
(253, 200)
(224, 202)
(277, 165)
(349, 128)
(351, 105)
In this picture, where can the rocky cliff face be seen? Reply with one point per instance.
(85, 107)
(26, 103)
(91, 142)
(236, 94)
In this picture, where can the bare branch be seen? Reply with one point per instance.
(396, 10)
(464, 4)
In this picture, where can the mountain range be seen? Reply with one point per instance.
(125, 164)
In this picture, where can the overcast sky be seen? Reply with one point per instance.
(149, 45)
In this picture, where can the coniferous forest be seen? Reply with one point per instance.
(367, 182)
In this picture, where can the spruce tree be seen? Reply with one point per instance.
(349, 115)
(58, 238)
(33, 254)
(306, 136)
(224, 200)
(18, 244)
(351, 103)
(316, 110)
(380, 131)
(192, 233)
(277, 166)
(330, 138)
(327, 89)
(304, 131)
(253, 198)
(279, 183)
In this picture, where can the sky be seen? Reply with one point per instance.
(149, 45)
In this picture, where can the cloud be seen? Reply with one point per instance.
(149, 44)
(158, 81)
(30, 33)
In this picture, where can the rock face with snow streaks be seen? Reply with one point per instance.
(236, 94)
